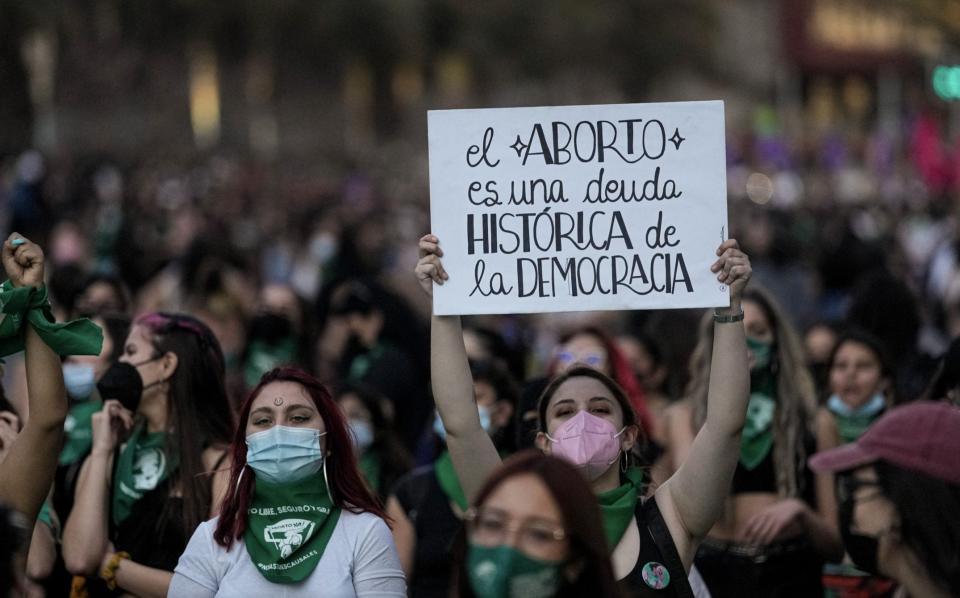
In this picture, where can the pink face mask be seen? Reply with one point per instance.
(587, 441)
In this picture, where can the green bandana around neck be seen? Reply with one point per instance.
(851, 427)
(288, 528)
(449, 482)
(618, 506)
(29, 304)
(142, 465)
(757, 437)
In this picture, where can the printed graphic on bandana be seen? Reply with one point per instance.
(760, 411)
(288, 535)
(148, 469)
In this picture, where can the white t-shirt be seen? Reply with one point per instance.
(360, 560)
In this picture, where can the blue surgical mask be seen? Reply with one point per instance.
(282, 455)
(79, 379)
(872, 407)
(362, 434)
(485, 422)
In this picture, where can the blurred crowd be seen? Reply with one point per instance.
(853, 234)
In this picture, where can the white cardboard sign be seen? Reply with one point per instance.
(574, 208)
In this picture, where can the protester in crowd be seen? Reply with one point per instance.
(593, 347)
(771, 540)
(861, 388)
(152, 473)
(381, 456)
(898, 487)
(428, 504)
(277, 334)
(81, 374)
(376, 342)
(535, 532)
(298, 519)
(587, 418)
(103, 294)
(29, 463)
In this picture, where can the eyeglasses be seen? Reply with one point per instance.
(493, 528)
(593, 360)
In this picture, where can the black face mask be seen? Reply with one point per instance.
(862, 549)
(123, 383)
(270, 328)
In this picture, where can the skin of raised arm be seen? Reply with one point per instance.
(693, 498)
(31, 462)
(471, 449)
(85, 533)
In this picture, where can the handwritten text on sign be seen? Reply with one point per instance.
(578, 207)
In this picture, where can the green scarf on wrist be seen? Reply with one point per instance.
(618, 506)
(30, 304)
(288, 528)
(142, 465)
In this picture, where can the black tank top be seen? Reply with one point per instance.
(436, 527)
(762, 478)
(658, 553)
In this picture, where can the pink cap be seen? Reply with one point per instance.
(923, 436)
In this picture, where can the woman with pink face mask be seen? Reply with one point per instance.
(586, 418)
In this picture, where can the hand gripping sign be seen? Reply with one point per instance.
(574, 208)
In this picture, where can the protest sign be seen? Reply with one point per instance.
(574, 208)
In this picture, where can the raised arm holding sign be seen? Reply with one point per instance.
(627, 220)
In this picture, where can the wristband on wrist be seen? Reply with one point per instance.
(109, 572)
(728, 319)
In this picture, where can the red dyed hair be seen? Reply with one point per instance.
(619, 370)
(346, 485)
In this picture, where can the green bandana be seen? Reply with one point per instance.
(142, 465)
(757, 430)
(79, 431)
(288, 527)
(505, 572)
(370, 469)
(263, 357)
(361, 364)
(449, 481)
(618, 506)
(80, 337)
(852, 427)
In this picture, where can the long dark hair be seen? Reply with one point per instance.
(924, 504)
(346, 485)
(581, 522)
(198, 411)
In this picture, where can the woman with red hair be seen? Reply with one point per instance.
(299, 515)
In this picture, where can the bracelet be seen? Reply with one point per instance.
(109, 572)
(728, 319)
